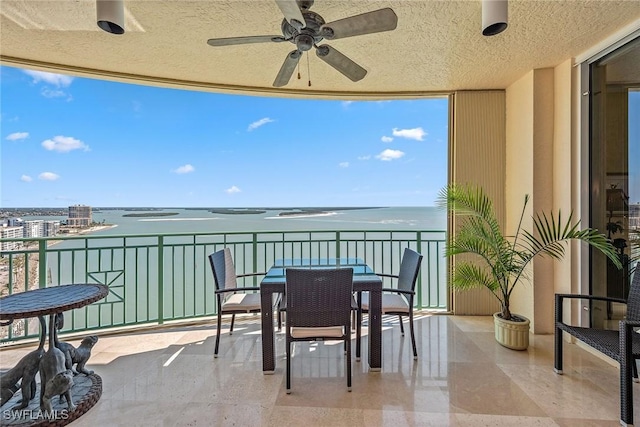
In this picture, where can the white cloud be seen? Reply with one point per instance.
(48, 176)
(257, 124)
(388, 155)
(64, 144)
(58, 80)
(346, 104)
(17, 136)
(386, 139)
(26, 178)
(367, 157)
(184, 169)
(233, 189)
(416, 133)
(52, 93)
(343, 164)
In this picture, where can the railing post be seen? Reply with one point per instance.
(337, 244)
(42, 263)
(160, 280)
(255, 258)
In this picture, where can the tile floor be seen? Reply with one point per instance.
(168, 377)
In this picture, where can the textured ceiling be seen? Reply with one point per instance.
(437, 46)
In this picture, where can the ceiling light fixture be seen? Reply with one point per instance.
(494, 17)
(111, 15)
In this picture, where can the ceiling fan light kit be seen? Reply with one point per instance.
(306, 29)
(110, 15)
(494, 16)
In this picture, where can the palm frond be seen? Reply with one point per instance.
(503, 261)
(469, 276)
(553, 236)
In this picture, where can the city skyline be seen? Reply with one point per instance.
(69, 140)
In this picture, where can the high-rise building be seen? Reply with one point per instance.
(79, 216)
(10, 233)
(33, 228)
(51, 228)
(634, 216)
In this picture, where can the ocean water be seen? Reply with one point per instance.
(195, 220)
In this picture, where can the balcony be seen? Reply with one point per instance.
(156, 328)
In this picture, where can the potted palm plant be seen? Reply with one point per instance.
(501, 262)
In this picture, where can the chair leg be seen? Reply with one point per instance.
(288, 365)
(401, 325)
(348, 343)
(557, 354)
(359, 327)
(279, 319)
(626, 374)
(413, 336)
(635, 371)
(233, 320)
(215, 351)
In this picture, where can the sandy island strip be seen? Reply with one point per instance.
(302, 215)
(176, 219)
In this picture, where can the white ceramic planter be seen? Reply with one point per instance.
(510, 334)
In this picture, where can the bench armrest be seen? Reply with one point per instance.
(591, 297)
(560, 297)
(629, 324)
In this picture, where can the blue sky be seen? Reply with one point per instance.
(68, 140)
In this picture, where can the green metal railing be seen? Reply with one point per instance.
(154, 278)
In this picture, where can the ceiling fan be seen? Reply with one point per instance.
(306, 29)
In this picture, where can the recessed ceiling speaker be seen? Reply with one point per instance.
(111, 15)
(494, 17)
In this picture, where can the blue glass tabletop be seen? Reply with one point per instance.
(277, 271)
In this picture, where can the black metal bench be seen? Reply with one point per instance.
(622, 345)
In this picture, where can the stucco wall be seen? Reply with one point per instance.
(519, 171)
(539, 163)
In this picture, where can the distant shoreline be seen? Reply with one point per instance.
(82, 231)
(151, 211)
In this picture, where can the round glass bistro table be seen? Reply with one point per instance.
(41, 302)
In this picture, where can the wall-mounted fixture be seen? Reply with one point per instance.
(494, 16)
(110, 15)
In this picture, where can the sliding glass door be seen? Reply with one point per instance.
(614, 96)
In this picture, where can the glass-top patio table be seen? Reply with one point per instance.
(364, 279)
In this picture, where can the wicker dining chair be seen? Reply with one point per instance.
(621, 345)
(399, 300)
(318, 306)
(230, 298)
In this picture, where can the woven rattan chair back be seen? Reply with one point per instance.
(320, 300)
(224, 271)
(633, 302)
(409, 268)
(319, 297)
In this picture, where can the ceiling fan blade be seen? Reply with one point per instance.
(367, 23)
(292, 13)
(289, 64)
(341, 63)
(244, 40)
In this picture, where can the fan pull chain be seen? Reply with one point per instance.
(308, 69)
(298, 70)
